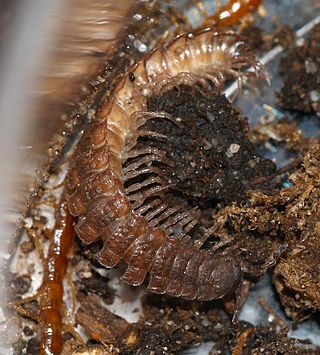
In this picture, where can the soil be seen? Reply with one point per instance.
(208, 145)
(300, 69)
(170, 325)
(284, 36)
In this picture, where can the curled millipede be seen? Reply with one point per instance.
(116, 188)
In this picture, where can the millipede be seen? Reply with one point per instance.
(144, 173)
(115, 188)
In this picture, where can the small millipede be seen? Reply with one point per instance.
(230, 13)
(131, 219)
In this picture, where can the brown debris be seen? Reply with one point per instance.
(299, 270)
(301, 71)
(275, 317)
(27, 246)
(279, 132)
(297, 275)
(284, 36)
(102, 325)
(242, 339)
(20, 283)
(96, 284)
(72, 348)
(291, 214)
(28, 347)
(266, 340)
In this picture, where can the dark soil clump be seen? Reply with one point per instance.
(96, 284)
(20, 283)
(301, 71)
(208, 145)
(284, 36)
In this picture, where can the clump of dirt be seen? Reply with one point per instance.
(301, 71)
(212, 157)
(255, 37)
(169, 325)
(93, 283)
(28, 347)
(284, 36)
(297, 274)
(283, 133)
(264, 339)
(289, 216)
(19, 284)
(262, 41)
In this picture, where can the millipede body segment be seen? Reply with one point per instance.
(133, 189)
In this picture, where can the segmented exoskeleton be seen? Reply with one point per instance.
(151, 237)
